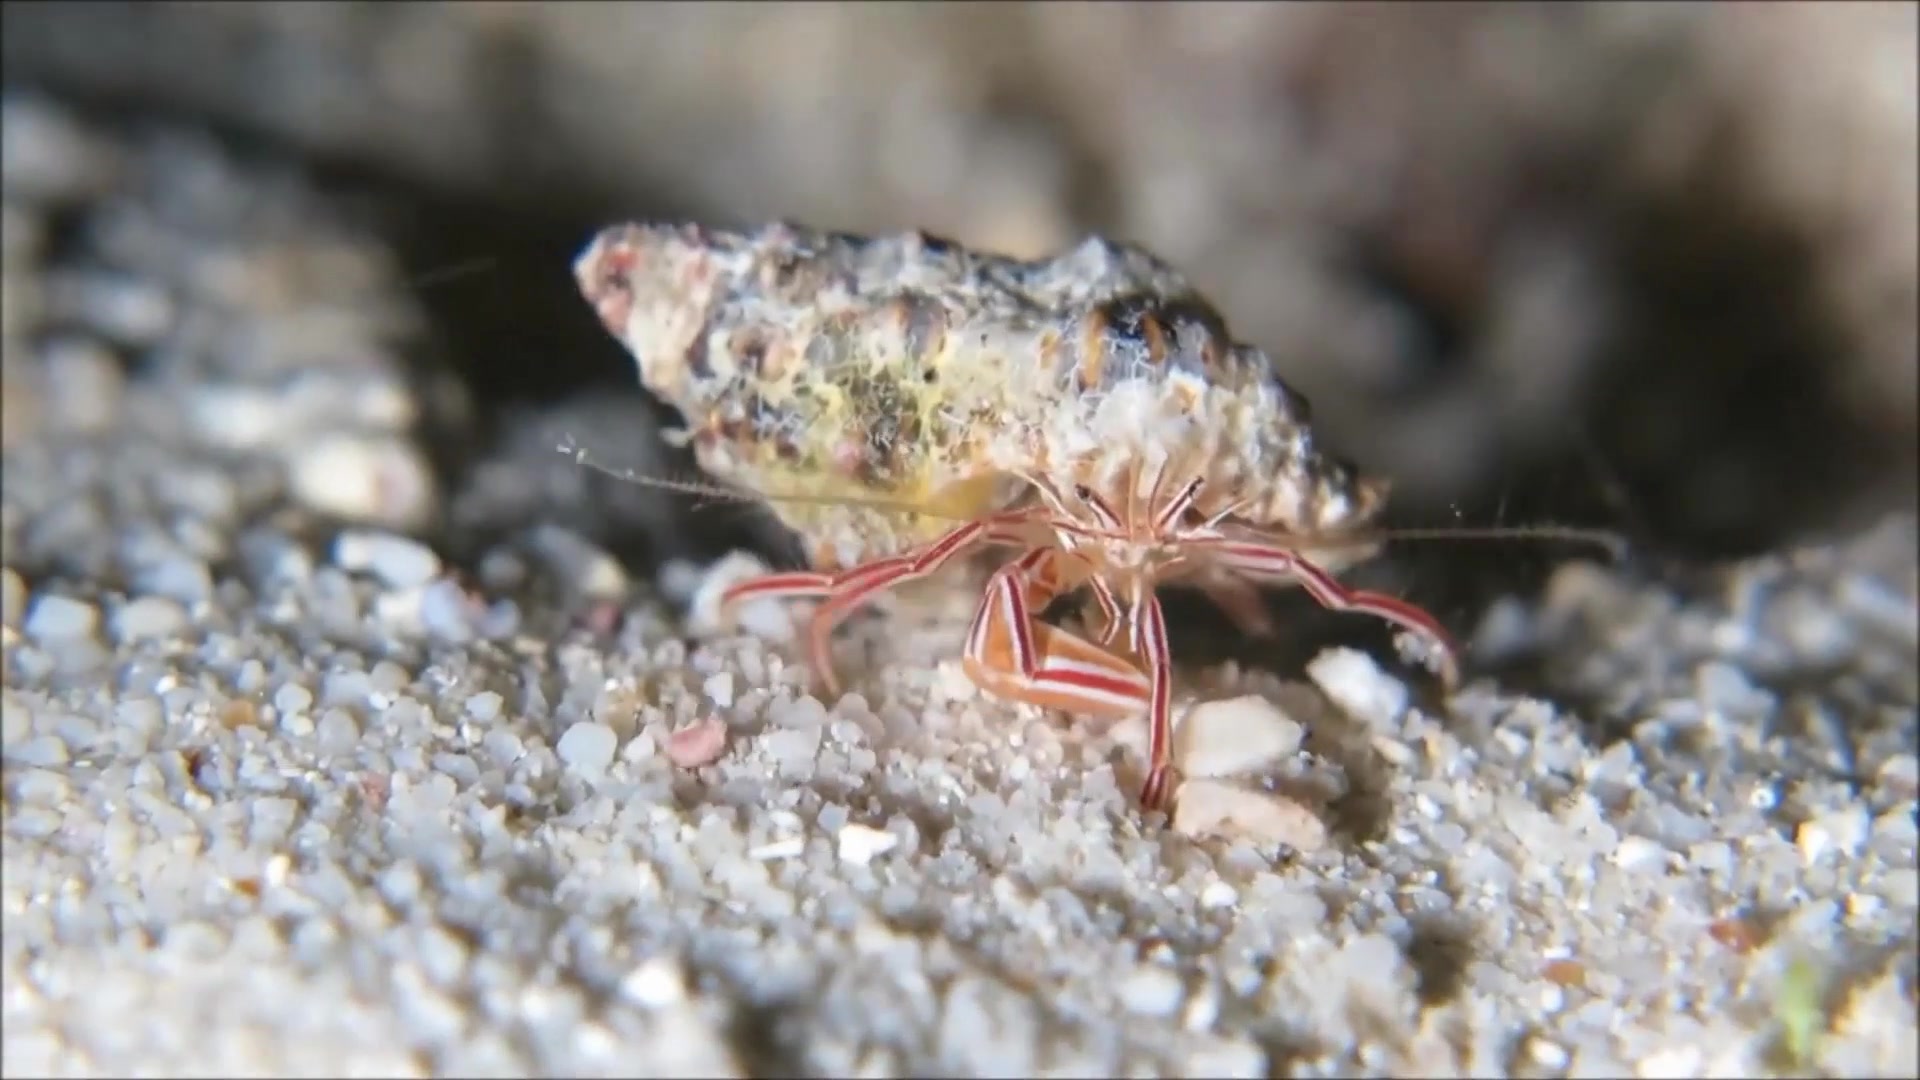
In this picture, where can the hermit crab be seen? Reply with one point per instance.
(903, 402)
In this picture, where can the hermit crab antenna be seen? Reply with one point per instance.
(581, 456)
(1614, 544)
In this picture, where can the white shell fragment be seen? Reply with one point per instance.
(375, 480)
(861, 844)
(399, 562)
(1355, 683)
(787, 847)
(658, 983)
(1209, 807)
(1233, 736)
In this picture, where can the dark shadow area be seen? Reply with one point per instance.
(1717, 408)
(1439, 950)
(539, 368)
(763, 1037)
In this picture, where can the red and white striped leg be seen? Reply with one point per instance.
(1265, 562)
(847, 589)
(1012, 656)
(1112, 621)
(1150, 640)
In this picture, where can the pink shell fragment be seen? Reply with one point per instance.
(697, 744)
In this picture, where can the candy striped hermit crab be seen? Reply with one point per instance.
(904, 402)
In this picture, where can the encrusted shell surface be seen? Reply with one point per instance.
(909, 371)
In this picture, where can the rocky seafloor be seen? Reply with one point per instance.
(296, 783)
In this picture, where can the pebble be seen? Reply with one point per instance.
(792, 750)
(578, 564)
(658, 983)
(1714, 858)
(1863, 905)
(273, 558)
(679, 581)
(484, 706)
(56, 619)
(1231, 1057)
(78, 731)
(787, 847)
(1672, 1061)
(42, 786)
(237, 418)
(399, 611)
(337, 732)
(149, 618)
(398, 561)
(501, 621)
(200, 491)
(587, 747)
(376, 480)
(1547, 1054)
(13, 597)
(45, 751)
(388, 678)
(446, 612)
(1901, 774)
(1844, 830)
(463, 769)
(127, 309)
(1151, 991)
(292, 698)
(138, 718)
(1639, 855)
(503, 746)
(176, 576)
(1877, 601)
(48, 155)
(1218, 895)
(85, 384)
(501, 570)
(1813, 839)
(1352, 680)
(719, 688)
(861, 844)
(378, 398)
(347, 686)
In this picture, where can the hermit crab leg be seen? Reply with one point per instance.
(1149, 626)
(1110, 619)
(848, 589)
(1261, 561)
(1177, 507)
(1011, 655)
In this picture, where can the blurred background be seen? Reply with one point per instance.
(1649, 265)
